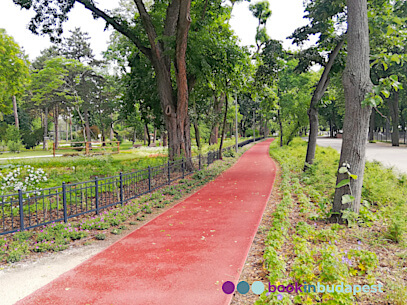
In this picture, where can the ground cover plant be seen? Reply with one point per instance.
(86, 228)
(302, 247)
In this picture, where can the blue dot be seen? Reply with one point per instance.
(257, 287)
(243, 287)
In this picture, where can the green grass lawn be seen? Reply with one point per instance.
(77, 167)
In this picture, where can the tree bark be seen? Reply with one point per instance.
(15, 112)
(56, 114)
(393, 103)
(197, 134)
(280, 124)
(357, 84)
(165, 139)
(147, 134)
(223, 126)
(372, 125)
(313, 109)
(87, 126)
(44, 143)
(217, 110)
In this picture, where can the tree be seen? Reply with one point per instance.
(165, 46)
(326, 19)
(262, 12)
(14, 74)
(357, 84)
(51, 87)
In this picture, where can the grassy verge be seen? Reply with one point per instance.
(59, 236)
(82, 168)
(301, 247)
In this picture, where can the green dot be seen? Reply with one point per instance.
(257, 287)
(243, 287)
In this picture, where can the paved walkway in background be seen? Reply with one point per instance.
(182, 256)
(31, 157)
(390, 156)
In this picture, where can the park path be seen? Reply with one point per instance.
(182, 256)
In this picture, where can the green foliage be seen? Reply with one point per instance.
(14, 73)
(100, 236)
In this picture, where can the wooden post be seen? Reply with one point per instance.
(53, 149)
(87, 148)
(118, 147)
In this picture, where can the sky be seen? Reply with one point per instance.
(286, 16)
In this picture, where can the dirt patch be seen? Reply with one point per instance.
(253, 269)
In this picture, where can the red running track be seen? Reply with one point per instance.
(182, 256)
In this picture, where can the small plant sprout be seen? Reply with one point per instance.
(345, 169)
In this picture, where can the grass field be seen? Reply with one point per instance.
(77, 167)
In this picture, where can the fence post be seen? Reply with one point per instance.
(64, 202)
(199, 161)
(121, 188)
(53, 149)
(149, 178)
(183, 168)
(86, 148)
(20, 204)
(118, 147)
(97, 195)
(169, 172)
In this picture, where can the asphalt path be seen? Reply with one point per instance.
(389, 156)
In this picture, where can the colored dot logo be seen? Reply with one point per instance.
(243, 287)
(228, 287)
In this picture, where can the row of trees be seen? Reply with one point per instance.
(180, 67)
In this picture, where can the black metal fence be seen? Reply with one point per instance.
(26, 210)
(386, 136)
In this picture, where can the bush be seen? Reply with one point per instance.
(14, 146)
(32, 139)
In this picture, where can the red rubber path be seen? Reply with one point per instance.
(182, 256)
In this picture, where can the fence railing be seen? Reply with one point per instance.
(386, 136)
(30, 209)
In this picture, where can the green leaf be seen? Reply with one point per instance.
(343, 183)
(347, 199)
(386, 93)
(343, 170)
(395, 58)
(354, 177)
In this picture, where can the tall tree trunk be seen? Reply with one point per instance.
(197, 134)
(15, 112)
(393, 103)
(165, 139)
(356, 83)
(56, 134)
(145, 136)
(280, 124)
(313, 109)
(66, 129)
(372, 125)
(147, 133)
(217, 110)
(223, 126)
(44, 143)
(87, 126)
(154, 135)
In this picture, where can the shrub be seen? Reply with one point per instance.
(14, 146)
